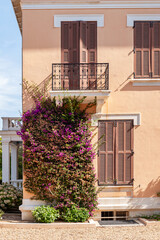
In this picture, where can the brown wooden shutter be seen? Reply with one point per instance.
(142, 45)
(92, 53)
(79, 45)
(65, 42)
(106, 152)
(83, 42)
(65, 53)
(83, 55)
(74, 67)
(70, 54)
(115, 160)
(124, 155)
(74, 42)
(156, 49)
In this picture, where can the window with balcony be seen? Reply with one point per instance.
(79, 69)
(147, 49)
(115, 154)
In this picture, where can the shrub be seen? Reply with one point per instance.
(152, 217)
(58, 153)
(75, 214)
(45, 214)
(10, 197)
(1, 213)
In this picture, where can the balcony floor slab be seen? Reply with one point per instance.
(89, 94)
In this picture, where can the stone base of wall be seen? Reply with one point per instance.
(135, 206)
(28, 206)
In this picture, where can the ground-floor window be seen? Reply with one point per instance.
(115, 154)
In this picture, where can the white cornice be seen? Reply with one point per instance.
(101, 4)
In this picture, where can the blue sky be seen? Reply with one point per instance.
(10, 62)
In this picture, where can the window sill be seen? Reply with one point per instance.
(146, 82)
(117, 188)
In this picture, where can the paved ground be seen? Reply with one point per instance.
(99, 233)
(149, 232)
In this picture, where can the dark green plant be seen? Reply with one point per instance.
(1, 213)
(153, 217)
(75, 214)
(20, 165)
(45, 214)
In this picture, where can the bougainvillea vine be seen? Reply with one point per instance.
(58, 153)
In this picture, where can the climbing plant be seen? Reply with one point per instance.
(58, 153)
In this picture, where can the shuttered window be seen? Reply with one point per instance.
(115, 157)
(79, 42)
(147, 49)
(78, 45)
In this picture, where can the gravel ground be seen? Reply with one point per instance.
(151, 232)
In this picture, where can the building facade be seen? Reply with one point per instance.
(109, 50)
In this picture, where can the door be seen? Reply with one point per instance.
(78, 49)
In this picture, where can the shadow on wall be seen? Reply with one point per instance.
(127, 85)
(151, 190)
(30, 89)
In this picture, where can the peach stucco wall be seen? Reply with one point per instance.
(41, 48)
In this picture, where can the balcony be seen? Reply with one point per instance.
(80, 76)
(80, 79)
(12, 124)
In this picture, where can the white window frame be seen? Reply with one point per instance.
(136, 117)
(131, 18)
(79, 17)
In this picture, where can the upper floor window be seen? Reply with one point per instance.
(79, 42)
(79, 55)
(147, 49)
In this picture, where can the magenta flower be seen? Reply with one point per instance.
(61, 154)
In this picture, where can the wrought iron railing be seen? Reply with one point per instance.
(80, 76)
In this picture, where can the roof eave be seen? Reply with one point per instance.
(18, 12)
